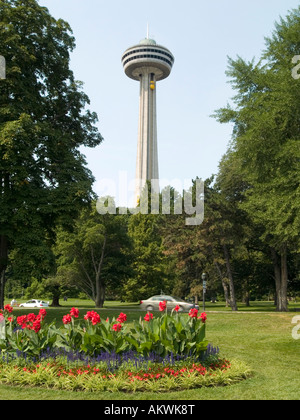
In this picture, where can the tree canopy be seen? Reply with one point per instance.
(44, 179)
(266, 141)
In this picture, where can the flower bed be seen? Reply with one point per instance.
(59, 375)
(165, 352)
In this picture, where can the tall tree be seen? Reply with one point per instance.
(266, 139)
(150, 272)
(43, 122)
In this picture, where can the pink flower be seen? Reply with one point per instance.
(148, 317)
(162, 306)
(8, 308)
(122, 318)
(67, 319)
(177, 308)
(193, 313)
(117, 327)
(74, 312)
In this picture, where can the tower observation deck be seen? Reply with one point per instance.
(147, 63)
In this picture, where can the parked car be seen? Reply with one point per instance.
(152, 304)
(34, 303)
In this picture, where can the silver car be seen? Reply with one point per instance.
(152, 304)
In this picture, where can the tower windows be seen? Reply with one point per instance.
(155, 50)
(156, 57)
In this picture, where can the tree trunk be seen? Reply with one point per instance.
(281, 278)
(277, 274)
(100, 286)
(224, 284)
(3, 266)
(283, 304)
(246, 298)
(230, 278)
(100, 296)
(2, 284)
(55, 297)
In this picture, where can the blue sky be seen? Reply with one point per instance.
(200, 34)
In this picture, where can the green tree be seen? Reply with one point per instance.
(266, 139)
(51, 287)
(150, 263)
(43, 122)
(96, 256)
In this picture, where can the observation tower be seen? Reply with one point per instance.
(147, 63)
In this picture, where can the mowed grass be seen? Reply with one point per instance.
(260, 337)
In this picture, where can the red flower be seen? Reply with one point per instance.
(31, 317)
(148, 317)
(96, 318)
(193, 313)
(74, 312)
(36, 326)
(88, 315)
(31, 321)
(93, 316)
(203, 317)
(117, 327)
(67, 319)
(122, 318)
(177, 307)
(162, 306)
(21, 320)
(42, 314)
(8, 308)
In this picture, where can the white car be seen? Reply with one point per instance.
(34, 303)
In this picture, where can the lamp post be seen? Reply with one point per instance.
(204, 276)
(2, 67)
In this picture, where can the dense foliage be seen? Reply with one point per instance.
(44, 121)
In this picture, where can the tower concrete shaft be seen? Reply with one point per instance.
(147, 63)
(147, 154)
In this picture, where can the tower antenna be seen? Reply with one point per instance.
(147, 30)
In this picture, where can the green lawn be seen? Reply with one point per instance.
(262, 339)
